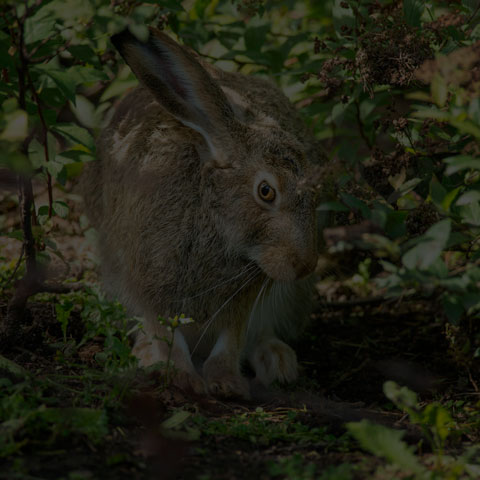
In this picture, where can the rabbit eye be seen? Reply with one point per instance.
(266, 192)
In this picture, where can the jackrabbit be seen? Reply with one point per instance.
(197, 196)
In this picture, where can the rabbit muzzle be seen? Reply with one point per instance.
(284, 265)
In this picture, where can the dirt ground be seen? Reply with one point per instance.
(346, 355)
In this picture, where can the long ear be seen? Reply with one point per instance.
(182, 86)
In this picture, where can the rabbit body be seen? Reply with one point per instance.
(181, 196)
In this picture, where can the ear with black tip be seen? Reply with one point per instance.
(182, 86)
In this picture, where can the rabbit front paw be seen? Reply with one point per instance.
(189, 382)
(183, 372)
(273, 360)
(222, 382)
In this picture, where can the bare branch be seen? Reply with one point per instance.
(44, 140)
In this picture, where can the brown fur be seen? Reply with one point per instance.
(177, 211)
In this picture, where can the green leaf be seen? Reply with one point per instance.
(81, 74)
(8, 366)
(474, 110)
(461, 162)
(466, 126)
(6, 60)
(84, 110)
(439, 90)
(356, 204)
(139, 31)
(437, 192)
(413, 11)
(75, 155)
(453, 308)
(431, 245)
(61, 208)
(76, 134)
(439, 420)
(36, 154)
(450, 197)
(118, 87)
(342, 17)
(255, 37)
(471, 300)
(16, 128)
(471, 196)
(63, 312)
(63, 80)
(179, 417)
(470, 213)
(386, 443)
(16, 162)
(395, 225)
(83, 53)
(434, 113)
(440, 231)
(40, 25)
(403, 189)
(402, 397)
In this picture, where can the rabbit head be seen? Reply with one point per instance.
(251, 160)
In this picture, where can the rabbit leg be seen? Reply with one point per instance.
(273, 360)
(149, 348)
(221, 370)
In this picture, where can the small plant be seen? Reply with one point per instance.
(109, 320)
(434, 420)
(63, 311)
(171, 324)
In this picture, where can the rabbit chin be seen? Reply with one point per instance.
(281, 272)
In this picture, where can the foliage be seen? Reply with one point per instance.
(73, 402)
(294, 468)
(400, 104)
(262, 428)
(436, 424)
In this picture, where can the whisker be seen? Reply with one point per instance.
(255, 305)
(275, 294)
(263, 296)
(251, 277)
(248, 268)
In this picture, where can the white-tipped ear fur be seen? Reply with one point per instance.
(182, 86)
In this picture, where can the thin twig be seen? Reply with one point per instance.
(472, 381)
(29, 10)
(19, 261)
(474, 14)
(44, 139)
(47, 58)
